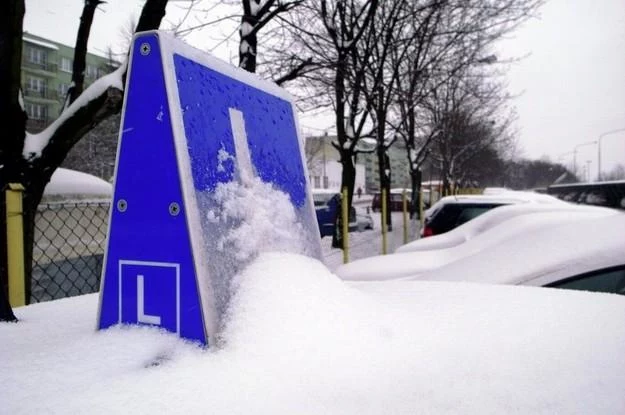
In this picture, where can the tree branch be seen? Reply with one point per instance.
(80, 51)
(294, 72)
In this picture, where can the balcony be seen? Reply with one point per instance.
(45, 94)
(40, 66)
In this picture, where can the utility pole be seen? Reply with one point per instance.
(599, 149)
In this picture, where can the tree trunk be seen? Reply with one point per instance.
(14, 130)
(384, 166)
(348, 180)
(80, 59)
(249, 41)
(415, 187)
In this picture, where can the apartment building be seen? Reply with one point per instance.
(47, 74)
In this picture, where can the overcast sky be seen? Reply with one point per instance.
(571, 84)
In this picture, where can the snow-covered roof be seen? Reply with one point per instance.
(72, 183)
(40, 43)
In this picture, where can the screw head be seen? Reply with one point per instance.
(145, 49)
(174, 209)
(122, 205)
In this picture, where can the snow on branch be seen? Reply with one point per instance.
(34, 144)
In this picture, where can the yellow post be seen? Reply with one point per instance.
(15, 244)
(405, 210)
(345, 214)
(384, 207)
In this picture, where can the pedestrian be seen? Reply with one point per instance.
(359, 191)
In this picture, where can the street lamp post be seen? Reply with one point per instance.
(575, 154)
(599, 149)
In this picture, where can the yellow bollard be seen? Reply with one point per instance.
(15, 244)
(384, 207)
(345, 214)
(405, 210)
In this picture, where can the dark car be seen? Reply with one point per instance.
(397, 201)
(327, 210)
(608, 194)
(456, 212)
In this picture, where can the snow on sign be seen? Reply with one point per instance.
(210, 172)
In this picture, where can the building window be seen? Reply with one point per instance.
(35, 55)
(92, 71)
(63, 88)
(36, 111)
(66, 64)
(35, 84)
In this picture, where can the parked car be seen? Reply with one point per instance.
(327, 209)
(486, 221)
(452, 211)
(610, 194)
(403, 264)
(585, 256)
(396, 203)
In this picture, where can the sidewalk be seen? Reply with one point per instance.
(369, 243)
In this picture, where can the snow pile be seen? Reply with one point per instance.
(243, 219)
(298, 340)
(66, 183)
(258, 218)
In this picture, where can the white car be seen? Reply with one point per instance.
(589, 255)
(385, 267)
(504, 197)
(488, 220)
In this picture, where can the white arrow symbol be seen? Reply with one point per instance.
(243, 158)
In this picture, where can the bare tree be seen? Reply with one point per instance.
(617, 173)
(388, 31)
(256, 15)
(30, 159)
(469, 115)
(447, 37)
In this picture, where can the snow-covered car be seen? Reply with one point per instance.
(398, 265)
(486, 221)
(327, 208)
(507, 196)
(452, 211)
(586, 255)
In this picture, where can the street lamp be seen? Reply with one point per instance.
(599, 149)
(575, 154)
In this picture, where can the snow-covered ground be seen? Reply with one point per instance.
(369, 243)
(299, 340)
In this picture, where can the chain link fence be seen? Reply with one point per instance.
(68, 248)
